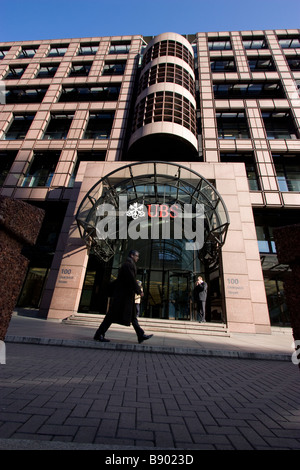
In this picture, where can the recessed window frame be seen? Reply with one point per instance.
(40, 170)
(249, 161)
(19, 95)
(3, 52)
(47, 70)
(289, 42)
(99, 125)
(7, 159)
(261, 64)
(119, 47)
(58, 126)
(293, 63)
(272, 122)
(80, 69)
(251, 89)
(19, 126)
(15, 72)
(27, 52)
(219, 44)
(88, 156)
(232, 125)
(255, 43)
(287, 171)
(88, 49)
(114, 67)
(222, 64)
(57, 50)
(87, 93)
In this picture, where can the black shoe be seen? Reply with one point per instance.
(101, 338)
(144, 337)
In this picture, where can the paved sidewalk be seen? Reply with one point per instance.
(60, 390)
(277, 346)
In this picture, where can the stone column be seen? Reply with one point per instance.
(287, 240)
(20, 224)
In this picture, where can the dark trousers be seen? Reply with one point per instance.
(201, 310)
(108, 320)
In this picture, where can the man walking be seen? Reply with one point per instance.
(200, 294)
(122, 306)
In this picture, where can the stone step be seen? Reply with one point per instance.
(156, 324)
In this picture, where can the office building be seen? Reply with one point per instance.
(205, 122)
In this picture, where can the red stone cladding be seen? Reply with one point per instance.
(20, 224)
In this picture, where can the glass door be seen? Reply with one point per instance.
(179, 296)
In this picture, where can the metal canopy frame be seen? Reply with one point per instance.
(155, 182)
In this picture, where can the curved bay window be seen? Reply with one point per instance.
(148, 203)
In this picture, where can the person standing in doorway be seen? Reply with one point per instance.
(200, 295)
(122, 307)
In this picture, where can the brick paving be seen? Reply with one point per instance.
(147, 400)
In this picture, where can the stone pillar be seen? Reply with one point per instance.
(287, 240)
(20, 224)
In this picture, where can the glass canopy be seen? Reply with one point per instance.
(154, 183)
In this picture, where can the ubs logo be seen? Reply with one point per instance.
(163, 210)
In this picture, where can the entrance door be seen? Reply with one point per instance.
(166, 294)
(179, 296)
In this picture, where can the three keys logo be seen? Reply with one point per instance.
(2, 352)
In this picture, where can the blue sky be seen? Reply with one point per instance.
(52, 19)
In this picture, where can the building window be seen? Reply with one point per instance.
(6, 161)
(114, 68)
(279, 125)
(90, 156)
(99, 126)
(164, 48)
(90, 93)
(25, 95)
(261, 64)
(3, 52)
(291, 42)
(47, 70)
(265, 239)
(19, 127)
(250, 166)
(41, 170)
(167, 73)
(223, 65)
(294, 63)
(165, 106)
(287, 171)
(80, 70)
(219, 44)
(15, 72)
(28, 52)
(248, 90)
(119, 47)
(88, 49)
(58, 126)
(57, 51)
(255, 43)
(232, 125)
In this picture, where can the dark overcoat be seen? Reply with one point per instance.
(125, 287)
